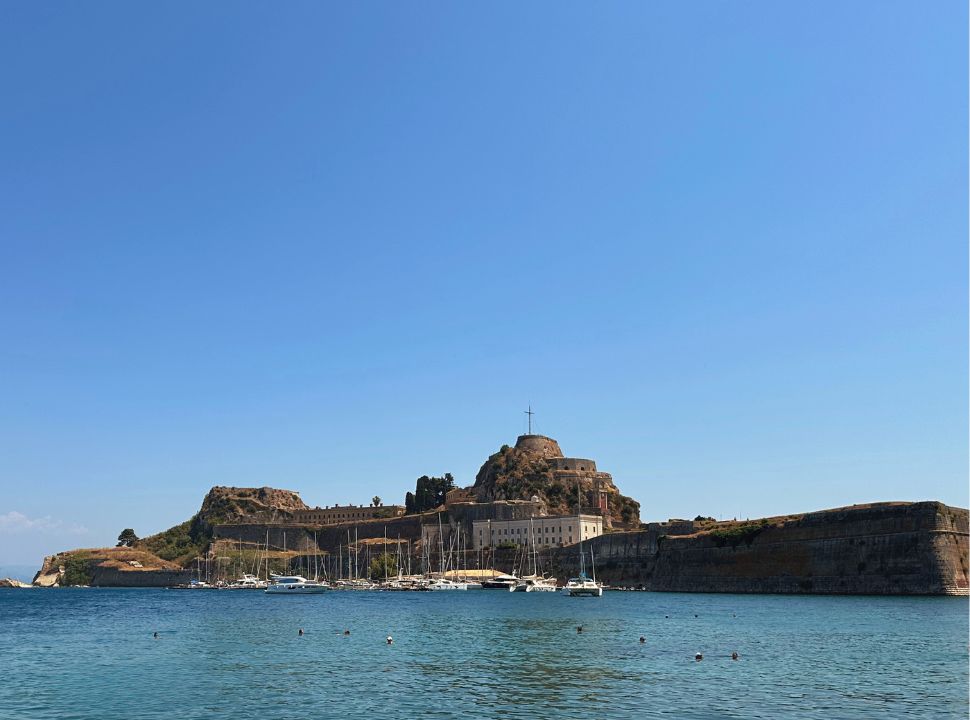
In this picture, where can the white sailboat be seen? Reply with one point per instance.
(534, 582)
(443, 583)
(582, 586)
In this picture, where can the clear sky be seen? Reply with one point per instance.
(720, 247)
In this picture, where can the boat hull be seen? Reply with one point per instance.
(583, 592)
(296, 589)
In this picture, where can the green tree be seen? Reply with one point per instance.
(376, 501)
(383, 566)
(429, 493)
(127, 538)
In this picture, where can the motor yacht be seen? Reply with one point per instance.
(295, 585)
(248, 582)
(446, 584)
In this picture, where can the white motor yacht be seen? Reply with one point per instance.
(248, 582)
(446, 584)
(295, 585)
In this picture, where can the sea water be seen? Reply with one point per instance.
(90, 653)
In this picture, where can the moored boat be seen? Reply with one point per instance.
(500, 582)
(295, 585)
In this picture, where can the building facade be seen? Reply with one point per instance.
(346, 513)
(544, 531)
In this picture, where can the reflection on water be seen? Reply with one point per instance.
(90, 654)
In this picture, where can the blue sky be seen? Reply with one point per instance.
(719, 247)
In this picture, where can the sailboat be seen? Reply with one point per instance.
(534, 582)
(582, 586)
(443, 583)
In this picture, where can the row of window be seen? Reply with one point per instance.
(539, 531)
(340, 516)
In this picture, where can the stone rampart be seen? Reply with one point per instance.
(883, 549)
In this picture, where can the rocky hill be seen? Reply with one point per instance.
(536, 467)
(222, 505)
(175, 548)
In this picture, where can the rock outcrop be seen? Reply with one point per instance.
(12, 583)
(265, 504)
(536, 467)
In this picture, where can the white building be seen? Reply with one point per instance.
(548, 530)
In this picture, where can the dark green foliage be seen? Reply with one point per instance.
(701, 518)
(127, 538)
(429, 493)
(383, 566)
(736, 534)
(376, 501)
(180, 543)
(76, 571)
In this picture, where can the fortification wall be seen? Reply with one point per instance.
(540, 444)
(904, 549)
(295, 536)
(579, 464)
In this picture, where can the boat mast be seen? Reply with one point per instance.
(579, 518)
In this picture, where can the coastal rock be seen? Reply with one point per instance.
(11, 583)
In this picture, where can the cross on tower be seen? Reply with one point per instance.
(530, 414)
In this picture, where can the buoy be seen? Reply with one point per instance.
(389, 639)
(734, 656)
(667, 616)
(698, 657)
(642, 639)
(346, 632)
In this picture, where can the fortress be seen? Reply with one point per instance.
(572, 471)
(533, 495)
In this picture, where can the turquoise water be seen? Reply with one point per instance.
(89, 653)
